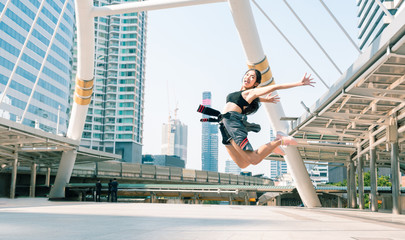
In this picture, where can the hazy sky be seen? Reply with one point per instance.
(196, 49)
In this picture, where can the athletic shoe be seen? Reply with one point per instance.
(285, 139)
(278, 150)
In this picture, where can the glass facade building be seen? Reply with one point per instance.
(373, 20)
(231, 167)
(36, 42)
(114, 121)
(277, 168)
(209, 142)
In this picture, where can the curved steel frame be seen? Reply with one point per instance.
(244, 21)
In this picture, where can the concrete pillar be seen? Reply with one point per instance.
(247, 199)
(152, 197)
(48, 177)
(360, 178)
(373, 176)
(245, 24)
(392, 138)
(339, 202)
(33, 179)
(196, 199)
(14, 174)
(230, 200)
(348, 185)
(396, 205)
(278, 200)
(353, 185)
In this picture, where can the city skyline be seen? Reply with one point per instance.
(205, 54)
(141, 141)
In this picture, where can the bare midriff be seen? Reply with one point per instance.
(231, 107)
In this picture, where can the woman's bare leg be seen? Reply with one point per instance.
(266, 149)
(236, 157)
(255, 157)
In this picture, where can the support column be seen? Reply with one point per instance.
(14, 174)
(373, 175)
(278, 200)
(247, 202)
(339, 202)
(392, 137)
(33, 179)
(348, 185)
(48, 177)
(246, 26)
(360, 177)
(353, 191)
(82, 95)
(196, 199)
(230, 200)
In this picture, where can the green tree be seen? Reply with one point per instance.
(382, 181)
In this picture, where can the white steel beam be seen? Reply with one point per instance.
(146, 6)
(85, 71)
(245, 24)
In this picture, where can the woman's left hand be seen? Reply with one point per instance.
(271, 99)
(307, 80)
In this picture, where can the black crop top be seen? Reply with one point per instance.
(236, 97)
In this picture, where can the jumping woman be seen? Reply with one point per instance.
(233, 120)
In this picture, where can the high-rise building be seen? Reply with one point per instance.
(174, 139)
(374, 17)
(318, 173)
(209, 142)
(277, 168)
(36, 62)
(114, 121)
(163, 160)
(232, 167)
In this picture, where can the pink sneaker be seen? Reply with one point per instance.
(285, 139)
(278, 150)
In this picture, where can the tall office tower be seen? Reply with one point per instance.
(36, 42)
(277, 168)
(114, 121)
(318, 173)
(209, 148)
(174, 139)
(373, 18)
(231, 167)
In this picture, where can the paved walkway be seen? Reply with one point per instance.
(28, 218)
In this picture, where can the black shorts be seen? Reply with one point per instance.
(234, 126)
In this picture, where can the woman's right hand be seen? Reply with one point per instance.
(307, 80)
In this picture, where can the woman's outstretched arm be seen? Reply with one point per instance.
(257, 92)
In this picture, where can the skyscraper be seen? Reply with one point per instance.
(174, 139)
(115, 117)
(374, 17)
(209, 141)
(231, 167)
(277, 168)
(35, 62)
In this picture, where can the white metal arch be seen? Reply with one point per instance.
(244, 21)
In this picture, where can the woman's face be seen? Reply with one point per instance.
(249, 80)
